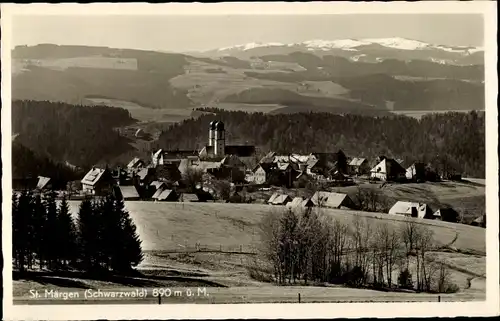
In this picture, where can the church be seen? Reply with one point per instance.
(217, 148)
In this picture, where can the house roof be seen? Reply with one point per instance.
(307, 203)
(283, 166)
(134, 162)
(232, 160)
(273, 197)
(405, 208)
(239, 150)
(281, 199)
(296, 202)
(268, 158)
(357, 161)
(157, 184)
(162, 194)
(93, 176)
(329, 199)
(267, 167)
(158, 153)
(143, 173)
(42, 182)
(205, 165)
(338, 176)
(189, 197)
(388, 166)
(129, 192)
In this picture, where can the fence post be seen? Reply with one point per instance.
(241, 248)
(439, 298)
(159, 299)
(220, 247)
(299, 297)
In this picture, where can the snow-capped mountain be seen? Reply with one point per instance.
(367, 50)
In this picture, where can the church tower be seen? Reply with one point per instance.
(220, 139)
(211, 133)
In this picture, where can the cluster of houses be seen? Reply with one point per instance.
(161, 178)
(343, 201)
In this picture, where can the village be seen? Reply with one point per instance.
(220, 172)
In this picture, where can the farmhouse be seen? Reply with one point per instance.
(331, 161)
(98, 182)
(416, 172)
(262, 173)
(480, 221)
(332, 200)
(388, 169)
(411, 209)
(359, 166)
(446, 214)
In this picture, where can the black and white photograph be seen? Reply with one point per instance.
(333, 159)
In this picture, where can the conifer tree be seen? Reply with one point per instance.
(39, 223)
(16, 231)
(50, 230)
(87, 234)
(109, 227)
(66, 234)
(128, 252)
(23, 230)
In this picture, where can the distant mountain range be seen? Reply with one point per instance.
(365, 50)
(367, 76)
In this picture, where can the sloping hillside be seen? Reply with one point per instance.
(455, 140)
(302, 80)
(82, 136)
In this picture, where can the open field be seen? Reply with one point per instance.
(142, 113)
(205, 86)
(466, 197)
(171, 226)
(18, 65)
(228, 238)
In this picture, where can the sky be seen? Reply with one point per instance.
(198, 32)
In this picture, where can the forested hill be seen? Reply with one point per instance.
(27, 164)
(454, 139)
(82, 136)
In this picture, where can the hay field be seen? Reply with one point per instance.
(165, 226)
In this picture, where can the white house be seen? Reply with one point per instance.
(411, 209)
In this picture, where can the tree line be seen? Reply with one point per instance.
(308, 247)
(449, 142)
(45, 235)
(80, 135)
